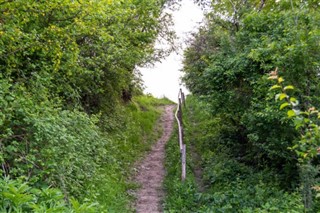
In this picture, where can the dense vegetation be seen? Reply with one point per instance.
(67, 73)
(226, 67)
(228, 185)
(72, 121)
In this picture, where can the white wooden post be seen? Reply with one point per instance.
(183, 162)
(182, 146)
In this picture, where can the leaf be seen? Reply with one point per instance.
(288, 87)
(284, 105)
(280, 80)
(299, 125)
(275, 87)
(293, 99)
(306, 120)
(294, 102)
(304, 113)
(282, 96)
(291, 113)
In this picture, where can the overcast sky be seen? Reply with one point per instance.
(164, 78)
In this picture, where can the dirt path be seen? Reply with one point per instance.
(151, 170)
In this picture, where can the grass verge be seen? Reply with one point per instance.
(131, 136)
(75, 162)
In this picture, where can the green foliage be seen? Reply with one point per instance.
(307, 148)
(180, 196)
(67, 150)
(230, 185)
(84, 52)
(248, 196)
(48, 145)
(246, 131)
(67, 76)
(131, 136)
(16, 196)
(306, 122)
(225, 65)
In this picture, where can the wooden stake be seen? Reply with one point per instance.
(182, 146)
(183, 99)
(183, 162)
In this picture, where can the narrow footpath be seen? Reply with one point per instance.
(151, 170)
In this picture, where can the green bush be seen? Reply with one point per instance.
(225, 66)
(18, 196)
(48, 145)
(230, 184)
(67, 76)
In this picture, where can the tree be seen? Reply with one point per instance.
(64, 67)
(226, 63)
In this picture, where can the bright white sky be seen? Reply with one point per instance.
(164, 78)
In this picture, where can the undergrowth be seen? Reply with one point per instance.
(67, 161)
(180, 196)
(230, 185)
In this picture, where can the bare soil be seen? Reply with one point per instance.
(151, 170)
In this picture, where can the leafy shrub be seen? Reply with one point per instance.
(67, 70)
(225, 66)
(245, 197)
(18, 196)
(67, 149)
(47, 144)
(230, 184)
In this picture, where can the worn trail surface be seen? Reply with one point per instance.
(151, 169)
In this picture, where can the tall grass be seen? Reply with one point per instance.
(134, 133)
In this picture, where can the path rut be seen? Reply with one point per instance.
(151, 170)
